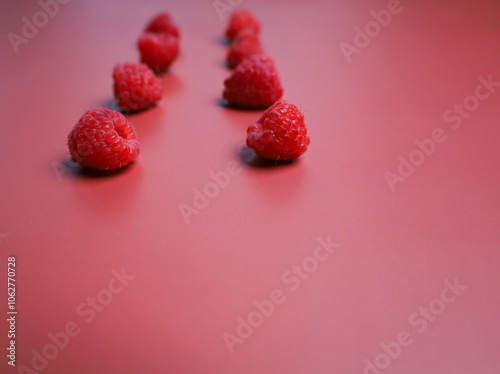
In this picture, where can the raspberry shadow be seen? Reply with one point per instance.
(111, 104)
(248, 157)
(224, 104)
(75, 170)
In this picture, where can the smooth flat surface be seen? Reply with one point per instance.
(192, 282)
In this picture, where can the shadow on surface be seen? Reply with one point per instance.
(224, 104)
(248, 157)
(72, 168)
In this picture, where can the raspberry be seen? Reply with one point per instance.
(103, 139)
(136, 87)
(241, 20)
(158, 51)
(162, 23)
(280, 133)
(245, 44)
(254, 83)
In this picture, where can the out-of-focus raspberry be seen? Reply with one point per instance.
(245, 44)
(135, 87)
(163, 23)
(240, 20)
(158, 51)
(253, 84)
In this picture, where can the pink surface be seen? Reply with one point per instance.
(398, 251)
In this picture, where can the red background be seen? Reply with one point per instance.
(69, 230)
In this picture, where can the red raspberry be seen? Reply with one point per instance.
(103, 139)
(245, 44)
(162, 23)
(136, 87)
(241, 20)
(158, 51)
(254, 83)
(280, 133)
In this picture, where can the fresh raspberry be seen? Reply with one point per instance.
(103, 139)
(163, 23)
(241, 20)
(136, 87)
(245, 44)
(280, 133)
(254, 83)
(158, 51)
